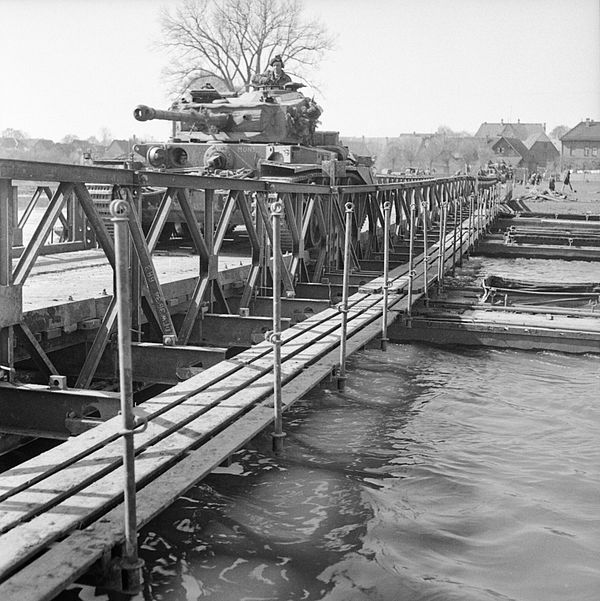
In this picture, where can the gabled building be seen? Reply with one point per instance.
(542, 154)
(581, 146)
(520, 131)
(511, 151)
(119, 149)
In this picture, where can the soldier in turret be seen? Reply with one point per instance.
(275, 76)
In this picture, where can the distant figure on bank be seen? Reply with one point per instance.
(551, 183)
(274, 76)
(567, 181)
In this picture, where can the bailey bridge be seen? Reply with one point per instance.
(213, 343)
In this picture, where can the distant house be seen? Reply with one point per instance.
(363, 146)
(580, 146)
(511, 151)
(541, 152)
(520, 131)
(118, 149)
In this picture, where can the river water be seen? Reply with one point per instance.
(440, 474)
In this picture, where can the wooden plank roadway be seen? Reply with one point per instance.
(73, 492)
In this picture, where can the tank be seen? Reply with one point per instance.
(268, 133)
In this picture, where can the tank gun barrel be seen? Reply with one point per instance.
(147, 113)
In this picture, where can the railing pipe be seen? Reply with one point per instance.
(455, 216)
(471, 221)
(461, 200)
(344, 304)
(275, 336)
(425, 211)
(131, 564)
(411, 254)
(387, 209)
(441, 247)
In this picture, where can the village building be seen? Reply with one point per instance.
(510, 151)
(542, 154)
(580, 146)
(520, 131)
(119, 149)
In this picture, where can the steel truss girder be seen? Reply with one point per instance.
(297, 309)
(304, 205)
(232, 330)
(157, 363)
(33, 410)
(286, 276)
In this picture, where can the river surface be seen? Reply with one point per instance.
(440, 474)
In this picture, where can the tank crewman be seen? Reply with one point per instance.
(275, 76)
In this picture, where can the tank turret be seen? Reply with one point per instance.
(272, 115)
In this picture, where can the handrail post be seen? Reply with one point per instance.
(341, 380)
(441, 247)
(471, 222)
(130, 563)
(411, 254)
(424, 211)
(455, 215)
(387, 209)
(275, 336)
(461, 200)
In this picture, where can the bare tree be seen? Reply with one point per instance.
(105, 136)
(226, 42)
(559, 131)
(17, 134)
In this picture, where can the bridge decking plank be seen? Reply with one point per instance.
(25, 538)
(28, 471)
(159, 402)
(69, 559)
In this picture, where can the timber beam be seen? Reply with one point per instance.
(532, 336)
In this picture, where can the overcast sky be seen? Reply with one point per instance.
(77, 66)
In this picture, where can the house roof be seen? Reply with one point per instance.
(489, 130)
(509, 130)
(521, 130)
(515, 144)
(583, 131)
(118, 149)
(536, 137)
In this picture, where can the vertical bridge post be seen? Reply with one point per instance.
(131, 565)
(387, 209)
(425, 212)
(275, 336)
(343, 308)
(411, 254)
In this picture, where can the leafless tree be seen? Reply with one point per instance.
(105, 136)
(227, 42)
(559, 131)
(17, 134)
